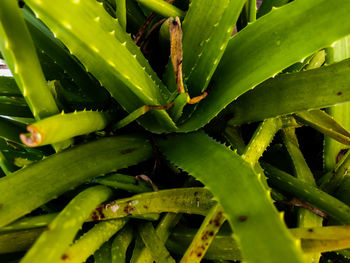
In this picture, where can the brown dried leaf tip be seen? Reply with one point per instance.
(32, 139)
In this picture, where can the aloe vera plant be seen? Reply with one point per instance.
(170, 93)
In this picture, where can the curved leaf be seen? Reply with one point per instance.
(286, 35)
(311, 89)
(40, 182)
(237, 187)
(62, 230)
(106, 57)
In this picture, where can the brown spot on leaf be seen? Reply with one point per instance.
(211, 233)
(129, 208)
(218, 219)
(339, 93)
(242, 218)
(126, 151)
(100, 212)
(205, 235)
(310, 230)
(145, 207)
(199, 254)
(65, 257)
(94, 216)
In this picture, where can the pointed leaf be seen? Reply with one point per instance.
(286, 35)
(324, 123)
(40, 182)
(312, 89)
(237, 187)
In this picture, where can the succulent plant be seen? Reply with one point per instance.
(143, 142)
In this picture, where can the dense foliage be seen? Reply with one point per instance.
(165, 131)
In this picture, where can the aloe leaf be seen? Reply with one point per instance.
(234, 137)
(8, 87)
(194, 200)
(207, 29)
(252, 216)
(261, 139)
(6, 166)
(335, 178)
(10, 130)
(91, 241)
(14, 106)
(103, 254)
(121, 12)
(305, 217)
(324, 123)
(29, 223)
(204, 236)
(120, 245)
(283, 45)
(106, 57)
(163, 8)
(21, 58)
(61, 231)
(225, 247)
(312, 89)
(64, 126)
(330, 205)
(332, 148)
(154, 244)
(40, 182)
(213, 48)
(314, 246)
(337, 52)
(114, 27)
(268, 5)
(124, 182)
(19, 240)
(46, 43)
(163, 231)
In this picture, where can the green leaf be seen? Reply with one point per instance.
(40, 182)
(339, 51)
(18, 49)
(121, 13)
(112, 57)
(213, 48)
(19, 240)
(305, 218)
(8, 87)
(163, 231)
(163, 8)
(48, 45)
(120, 245)
(10, 130)
(324, 123)
(64, 126)
(194, 200)
(14, 106)
(154, 243)
(312, 89)
(61, 231)
(92, 240)
(307, 193)
(286, 35)
(252, 215)
(204, 236)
